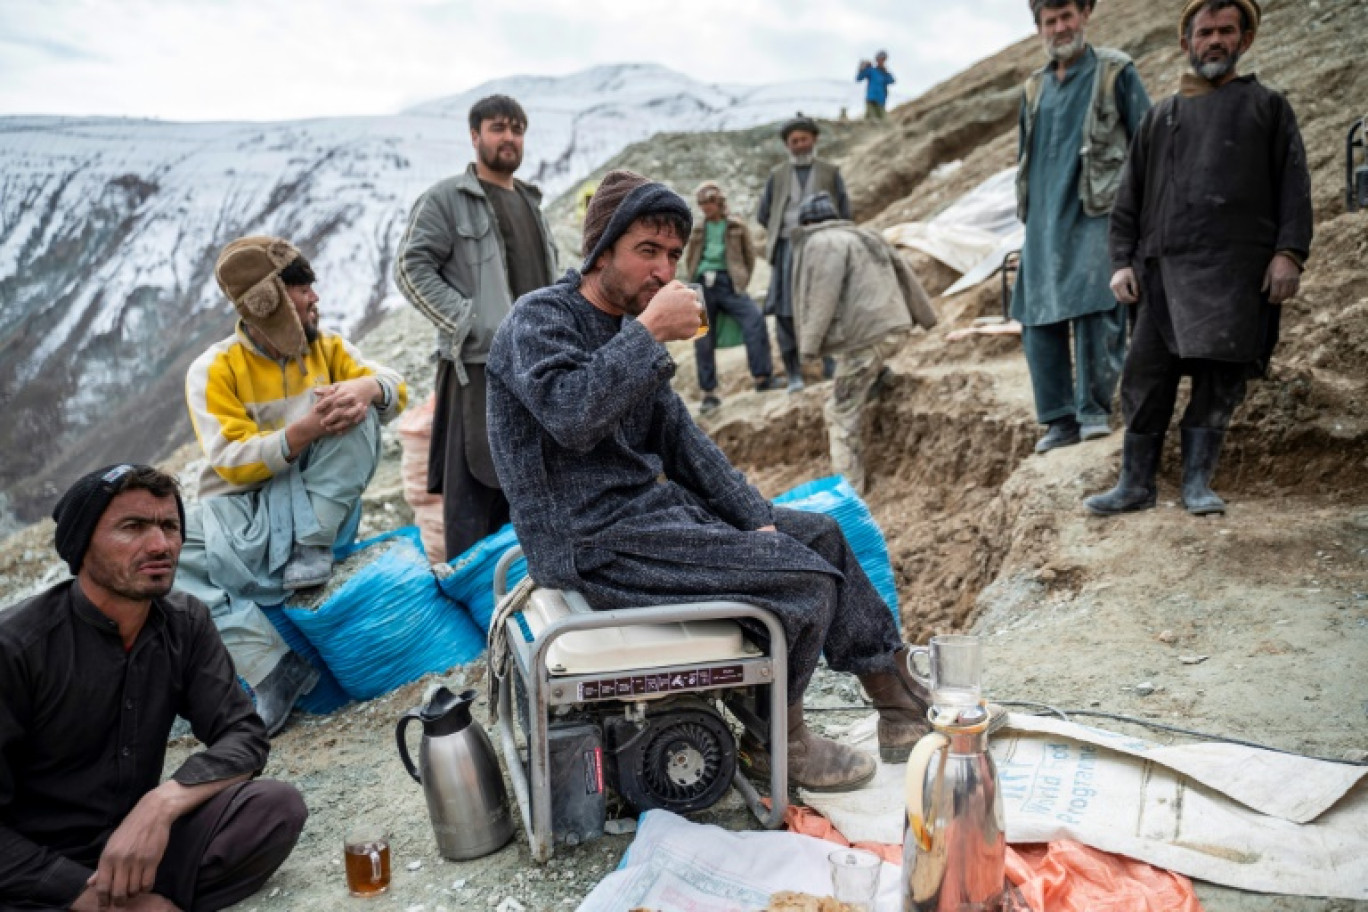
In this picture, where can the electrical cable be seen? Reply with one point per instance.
(1064, 714)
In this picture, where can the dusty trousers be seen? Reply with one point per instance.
(857, 373)
(459, 465)
(221, 852)
(804, 573)
(1149, 381)
(723, 296)
(1077, 384)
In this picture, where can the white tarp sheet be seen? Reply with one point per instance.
(1222, 813)
(674, 865)
(973, 234)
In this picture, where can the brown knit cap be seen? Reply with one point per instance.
(248, 272)
(612, 190)
(1191, 7)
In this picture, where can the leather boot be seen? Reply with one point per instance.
(902, 703)
(816, 764)
(1135, 490)
(1201, 450)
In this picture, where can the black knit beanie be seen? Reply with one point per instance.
(817, 208)
(621, 198)
(80, 509)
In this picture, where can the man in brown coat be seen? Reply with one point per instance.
(1210, 232)
(855, 299)
(720, 257)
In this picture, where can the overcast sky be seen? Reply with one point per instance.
(249, 60)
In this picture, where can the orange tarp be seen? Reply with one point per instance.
(1063, 876)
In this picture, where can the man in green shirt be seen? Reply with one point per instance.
(720, 257)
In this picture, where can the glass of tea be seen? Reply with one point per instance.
(367, 857)
(702, 312)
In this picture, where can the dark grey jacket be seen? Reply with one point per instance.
(1215, 185)
(451, 265)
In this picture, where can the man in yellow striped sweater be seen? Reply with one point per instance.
(289, 418)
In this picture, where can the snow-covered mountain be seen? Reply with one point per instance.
(109, 229)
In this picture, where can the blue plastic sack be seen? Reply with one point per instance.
(471, 581)
(327, 695)
(389, 624)
(835, 497)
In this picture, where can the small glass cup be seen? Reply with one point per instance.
(702, 310)
(366, 854)
(855, 877)
(955, 671)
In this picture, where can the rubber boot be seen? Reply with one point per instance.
(1136, 489)
(902, 704)
(820, 764)
(275, 696)
(1201, 450)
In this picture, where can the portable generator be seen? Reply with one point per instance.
(637, 707)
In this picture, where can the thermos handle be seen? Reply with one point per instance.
(917, 764)
(404, 720)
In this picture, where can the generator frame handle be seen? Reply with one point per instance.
(533, 790)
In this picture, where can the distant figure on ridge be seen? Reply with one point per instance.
(1078, 114)
(475, 243)
(877, 79)
(289, 420)
(720, 257)
(1210, 233)
(789, 185)
(855, 298)
(93, 672)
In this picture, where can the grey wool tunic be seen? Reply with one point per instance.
(615, 492)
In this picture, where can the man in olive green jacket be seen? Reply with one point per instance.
(854, 299)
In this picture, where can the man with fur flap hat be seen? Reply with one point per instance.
(618, 495)
(289, 418)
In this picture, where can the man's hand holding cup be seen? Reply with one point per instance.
(674, 314)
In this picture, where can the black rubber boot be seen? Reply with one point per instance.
(1136, 489)
(1201, 450)
(292, 677)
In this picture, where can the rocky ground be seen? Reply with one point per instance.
(1253, 625)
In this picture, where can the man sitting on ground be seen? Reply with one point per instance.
(615, 492)
(92, 673)
(289, 419)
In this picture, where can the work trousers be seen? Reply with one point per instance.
(857, 373)
(236, 545)
(723, 297)
(1149, 383)
(223, 851)
(820, 595)
(460, 466)
(1080, 384)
